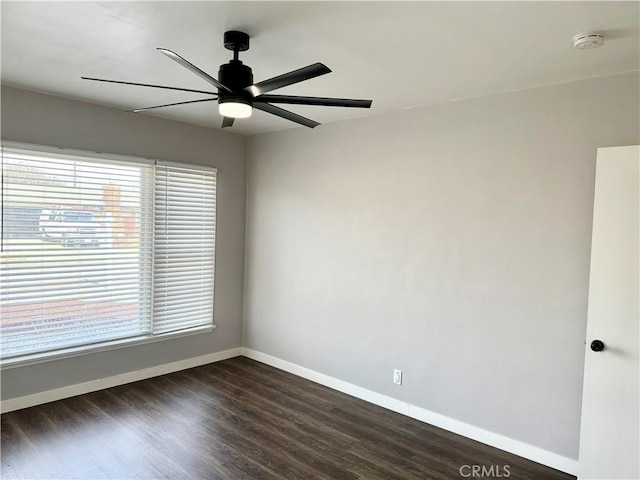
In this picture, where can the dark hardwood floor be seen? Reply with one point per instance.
(238, 419)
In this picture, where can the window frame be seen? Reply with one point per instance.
(79, 350)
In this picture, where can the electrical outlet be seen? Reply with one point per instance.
(397, 377)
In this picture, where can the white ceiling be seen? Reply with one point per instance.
(400, 54)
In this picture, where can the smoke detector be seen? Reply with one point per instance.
(587, 41)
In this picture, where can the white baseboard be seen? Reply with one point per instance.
(102, 383)
(496, 440)
(507, 444)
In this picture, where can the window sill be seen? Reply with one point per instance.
(100, 347)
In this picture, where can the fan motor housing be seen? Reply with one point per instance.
(236, 76)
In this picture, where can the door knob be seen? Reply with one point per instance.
(597, 345)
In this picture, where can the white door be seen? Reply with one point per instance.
(609, 436)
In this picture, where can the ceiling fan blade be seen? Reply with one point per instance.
(227, 122)
(148, 85)
(326, 102)
(286, 114)
(190, 66)
(290, 78)
(172, 104)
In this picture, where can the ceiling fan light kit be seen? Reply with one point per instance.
(237, 95)
(234, 107)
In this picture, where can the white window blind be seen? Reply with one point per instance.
(184, 247)
(98, 250)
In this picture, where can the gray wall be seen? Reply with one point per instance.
(46, 120)
(450, 241)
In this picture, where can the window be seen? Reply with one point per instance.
(97, 250)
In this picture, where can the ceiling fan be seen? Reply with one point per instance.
(237, 95)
